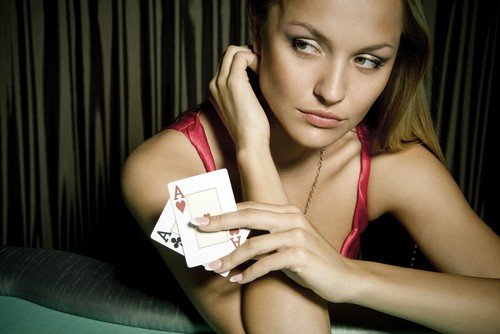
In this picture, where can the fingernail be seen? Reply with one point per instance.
(214, 265)
(236, 278)
(200, 221)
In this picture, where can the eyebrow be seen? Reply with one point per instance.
(318, 35)
(311, 30)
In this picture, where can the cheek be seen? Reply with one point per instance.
(359, 103)
(365, 91)
(366, 95)
(280, 79)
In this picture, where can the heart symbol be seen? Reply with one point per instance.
(206, 215)
(180, 205)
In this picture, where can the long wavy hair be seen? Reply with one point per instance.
(400, 116)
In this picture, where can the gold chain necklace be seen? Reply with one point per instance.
(318, 171)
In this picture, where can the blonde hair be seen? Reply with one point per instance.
(400, 117)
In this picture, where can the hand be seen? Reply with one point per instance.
(292, 245)
(235, 100)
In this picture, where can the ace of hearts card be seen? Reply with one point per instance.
(206, 195)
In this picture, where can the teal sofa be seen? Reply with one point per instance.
(52, 291)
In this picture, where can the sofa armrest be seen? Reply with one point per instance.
(91, 288)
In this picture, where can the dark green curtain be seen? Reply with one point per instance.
(85, 82)
(465, 101)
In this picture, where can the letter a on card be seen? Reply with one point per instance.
(179, 204)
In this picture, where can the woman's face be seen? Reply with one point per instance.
(325, 62)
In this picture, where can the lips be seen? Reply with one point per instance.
(321, 119)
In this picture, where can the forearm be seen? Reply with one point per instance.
(217, 300)
(274, 303)
(447, 303)
(259, 178)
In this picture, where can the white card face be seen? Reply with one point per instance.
(203, 203)
(166, 231)
(198, 196)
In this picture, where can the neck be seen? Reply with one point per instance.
(285, 151)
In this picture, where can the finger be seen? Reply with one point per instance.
(246, 60)
(220, 79)
(254, 219)
(217, 70)
(254, 248)
(215, 79)
(278, 261)
(227, 60)
(260, 256)
(238, 71)
(279, 208)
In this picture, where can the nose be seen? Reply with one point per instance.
(331, 86)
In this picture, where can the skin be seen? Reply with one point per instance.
(318, 55)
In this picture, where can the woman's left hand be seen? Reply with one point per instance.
(292, 245)
(236, 101)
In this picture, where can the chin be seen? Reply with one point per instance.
(315, 138)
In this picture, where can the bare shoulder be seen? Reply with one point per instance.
(165, 157)
(168, 156)
(417, 189)
(398, 176)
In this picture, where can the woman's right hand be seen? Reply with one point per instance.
(291, 245)
(232, 95)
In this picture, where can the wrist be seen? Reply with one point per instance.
(357, 282)
(253, 155)
(260, 180)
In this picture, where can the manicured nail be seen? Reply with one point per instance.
(236, 278)
(200, 221)
(214, 265)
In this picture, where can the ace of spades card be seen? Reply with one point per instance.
(206, 195)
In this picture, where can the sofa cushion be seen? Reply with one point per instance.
(91, 288)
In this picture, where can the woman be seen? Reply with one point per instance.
(334, 134)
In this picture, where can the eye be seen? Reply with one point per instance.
(304, 46)
(368, 63)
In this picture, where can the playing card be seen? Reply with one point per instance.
(204, 195)
(166, 232)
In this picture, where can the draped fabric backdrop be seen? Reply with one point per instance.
(82, 83)
(465, 102)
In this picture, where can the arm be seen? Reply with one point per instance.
(274, 302)
(418, 190)
(293, 308)
(465, 299)
(166, 157)
(445, 302)
(425, 198)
